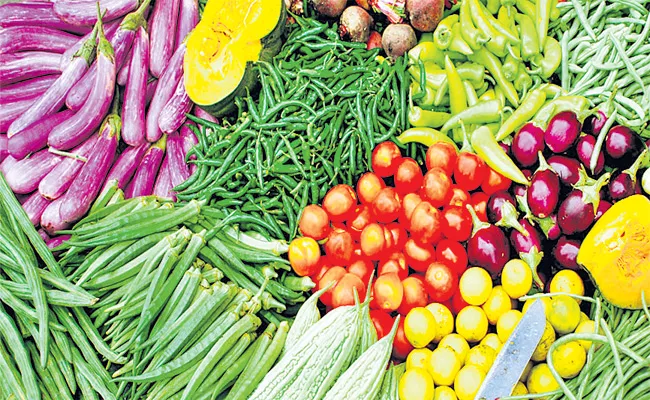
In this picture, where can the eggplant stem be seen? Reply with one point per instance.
(533, 257)
(477, 224)
(509, 219)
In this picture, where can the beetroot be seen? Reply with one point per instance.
(374, 40)
(585, 149)
(578, 210)
(620, 141)
(355, 24)
(544, 191)
(562, 132)
(568, 169)
(398, 39)
(565, 253)
(329, 8)
(488, 247)
(425, 15)
(528, 141)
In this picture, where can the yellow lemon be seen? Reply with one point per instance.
(444, 320)
(583, 317)
(519, 389)
(416, 384)
(546, 302)
(492, 340)
(419, 327)
(482, 356)
(516, 278)
(507, 323)
(567, 281)
(541, 380)
(568, 359)
(548, 337)
(471, 323)
(498, 302)
(564, 315)
(418, 358)
(468, 381)
(444, 393)
(475, 286)
(443, 366)
(457, 343)
(587, 326)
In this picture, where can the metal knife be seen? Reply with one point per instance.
(514, 354)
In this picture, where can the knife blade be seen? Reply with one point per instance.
(514, 355)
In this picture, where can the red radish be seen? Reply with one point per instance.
(526, 144)
(84, 12)
(397, 39)
(488, 247)
(567, 169)
(35, 38)
(562, 132)
(34, 207)
(135, 91)
(374, 40)
(188, 17)
(143, 180)
(565, 253)
(173, 114)
(126, 164)
(620, 141)
(544, 191)
(329, 8)
(425, 15)
(57, 181)
(585, 149)
(495, 203)
(25, 175)
(578, 210)
(37, 13)
(30, 64)
(355, 24)
(28, 89)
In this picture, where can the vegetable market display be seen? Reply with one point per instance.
(322, 199)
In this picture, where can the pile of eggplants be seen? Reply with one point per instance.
(84, 100)
(577, 170)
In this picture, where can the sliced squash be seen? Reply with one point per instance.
(616, 252)
(221, 50)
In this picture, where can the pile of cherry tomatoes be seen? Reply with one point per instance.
(405, 226)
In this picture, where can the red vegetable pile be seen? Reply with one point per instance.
(68, 99)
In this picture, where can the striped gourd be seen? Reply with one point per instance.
(309, 368)
(368, 331)
(388, 389)
(363, 379)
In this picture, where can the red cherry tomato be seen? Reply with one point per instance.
(304, 254)
(401, 346)
(408, 177)
(385, 158)
(479, 200)
(343, 293)
(340, 202)
(314, 222)
(415, 295)
(426, 223)
(389, 240)
(457, 303)
(395, 263)
(470, 171)
(452, 254)
(399, 234)
(372, 241)
(409, 202)
(386, 206)
(339, 246)
(419, 256)
(441, 282)
(382, 321)
(334, 274)
(441, 155)
(324, 265)
(362, 217)
(362, 267)
(494, 182)
(456, 223)
(459, 197)
(436, 187)
(368, 186)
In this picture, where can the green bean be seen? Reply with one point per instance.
(97, 384)
(87, 390)
(11, 375)
(15, 342)
(65, 366)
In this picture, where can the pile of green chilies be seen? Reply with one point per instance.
(48, 348)
(323, 105)
(605, 48)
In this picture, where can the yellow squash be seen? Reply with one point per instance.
(616, 252)
(221, 50)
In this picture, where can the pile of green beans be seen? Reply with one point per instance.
(47, 349)
(323, 105)
(605, 51)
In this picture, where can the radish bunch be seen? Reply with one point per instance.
(576, 173)
(85, 102)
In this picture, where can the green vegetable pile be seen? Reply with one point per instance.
(321, 101)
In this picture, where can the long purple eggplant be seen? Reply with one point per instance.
(28, 89)
(135, 91)
(121, 42)
(8, 164)
(163, 187)
(143, 180)
(109, 31)
(85, 187)
(189, 141)
(10, 112)
(178, 170)
(54, 184)
(126, 164)
(201, 113)
(57, 241)
(162, 29)
(34, 207)
(4, 147)
(34, 138)
(54, 97)
(151, 90)
(80, 126)
(84, 12)
(25, 176)
(123, 73)
(164, 91)
(51, 220)
(30, 64)
(188, 17)
(36, 14)
(31, 38)
(43, 235)
(174, 112)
